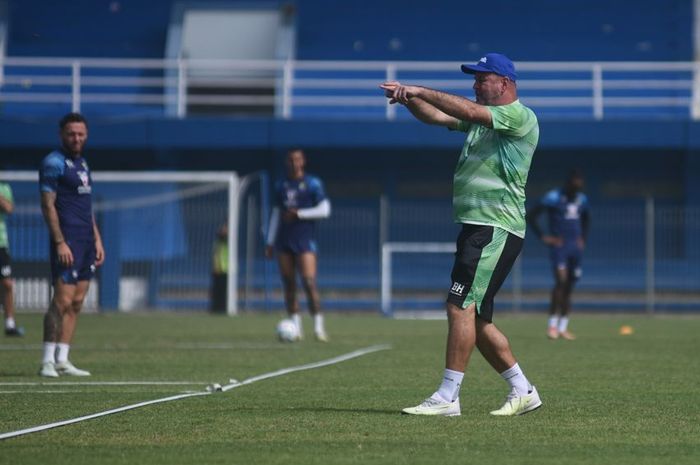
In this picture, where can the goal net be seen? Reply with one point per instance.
(158, 230)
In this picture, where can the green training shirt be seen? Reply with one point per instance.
(490, 177)
(6, 192)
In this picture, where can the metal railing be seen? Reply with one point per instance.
(298, 89)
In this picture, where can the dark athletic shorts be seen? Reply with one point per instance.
(296, 245)
(83, 268)
(5, 263)
(484, 257)
(567, 257)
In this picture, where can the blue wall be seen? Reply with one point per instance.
(88, 28)
(265, 134)
(544, 30)
(381, 30)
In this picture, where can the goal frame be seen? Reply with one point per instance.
(389, 248)
(235, 187)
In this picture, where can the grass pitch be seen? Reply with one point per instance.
(607, 398)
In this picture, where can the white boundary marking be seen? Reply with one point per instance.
(180, 346)
(104, 383)
(310, 366)
(76, 391)
(233, 384)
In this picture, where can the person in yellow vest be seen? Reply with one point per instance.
(219, 271)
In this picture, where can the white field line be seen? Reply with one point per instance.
(78, 391)
(36, 429)
(102, 383)
(323, 363)
(182, 346)
(310, 366)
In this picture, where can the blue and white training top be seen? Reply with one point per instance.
(566, 216)
(70, 179)
(291, 194)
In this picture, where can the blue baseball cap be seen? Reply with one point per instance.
(493, 63)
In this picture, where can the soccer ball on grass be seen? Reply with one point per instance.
(287, 331)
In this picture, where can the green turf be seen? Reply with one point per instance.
(607, 398)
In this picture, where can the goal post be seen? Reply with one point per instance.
(431, 277)
(158, 229)
(390, 248)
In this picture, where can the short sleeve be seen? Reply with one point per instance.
(550, 199)
(51, 169)
(584, 201)
(6, 191)
(514, 120)
(319, 193)
(462, 126)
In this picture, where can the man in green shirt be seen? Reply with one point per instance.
(6, 283)
(489, 202)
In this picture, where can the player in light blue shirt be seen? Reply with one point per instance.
(568, 222)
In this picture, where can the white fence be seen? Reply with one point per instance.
(638, 257)
(297, 89)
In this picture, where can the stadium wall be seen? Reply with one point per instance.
(419, 30)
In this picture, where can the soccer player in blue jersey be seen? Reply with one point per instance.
(568, 222)
(299, 201)
(76, 246)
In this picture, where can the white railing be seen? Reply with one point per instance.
(298, 89)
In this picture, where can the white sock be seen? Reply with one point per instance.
(296, 318)
(9, 323)
(318, 323)
(553, 321)
(516, 379)
(451, 382)
(62, 350)
(563, 323)
(49, 352)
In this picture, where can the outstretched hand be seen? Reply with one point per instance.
(398, 93)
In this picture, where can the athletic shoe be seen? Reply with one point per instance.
(321, 336)
(518, 405)
(17, 331)
(67, 368)
(552, 333)
(48, 370)
(436, 407)
(569, 336)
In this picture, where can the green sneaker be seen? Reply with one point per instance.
(518, 405)
(433, 406)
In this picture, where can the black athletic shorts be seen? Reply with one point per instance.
(484, 257)
(5, 263)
